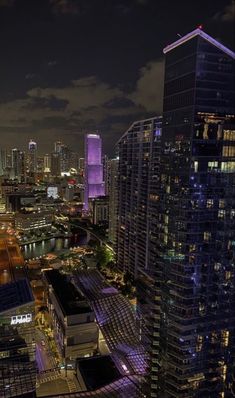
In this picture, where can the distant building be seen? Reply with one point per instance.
(81, 164)
(32, 157)
(94, 180)
(113, 198)
(55, 164)
(2, 161)
(33, 221)
(47, 163)
(69, 193)
(15, 201)
(75, 329)
(18, 164)
(57, 146)
(100, 210)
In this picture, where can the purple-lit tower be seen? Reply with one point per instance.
(94, 182)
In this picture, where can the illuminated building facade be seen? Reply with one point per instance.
(138, 151)
(193, 325)
(37, 221)
(32, 157)
(113, 198)
(47, 163)
(17, 344)
(94, 181)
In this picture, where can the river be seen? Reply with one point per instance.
(53, 245)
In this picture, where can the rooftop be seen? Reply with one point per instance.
(70, 298)
(199, 32)
(15, 294)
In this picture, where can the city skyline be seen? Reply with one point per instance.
(64, 86)
(117, 199)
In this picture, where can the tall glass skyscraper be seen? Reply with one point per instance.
(193, 325)
(94, 181)
(138, 151)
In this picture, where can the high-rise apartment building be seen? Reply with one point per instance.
(55, 164)
(65, 155)
(193, 318)
(2, 161)
(112, 192)
(18, 164)
(138, 151)
(94, 181)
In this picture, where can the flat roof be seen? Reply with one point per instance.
(199, 32)
(98, 371)
(15, 294)
(70, 298)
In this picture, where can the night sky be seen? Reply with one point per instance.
(68, 67)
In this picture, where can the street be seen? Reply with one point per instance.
(44, 357)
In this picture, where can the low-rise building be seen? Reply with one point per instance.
(100, 210)
(75, 329)
(26, 222)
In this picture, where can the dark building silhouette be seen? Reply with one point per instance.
(193, 317)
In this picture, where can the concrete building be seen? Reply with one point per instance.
(76, 332)
(32, 222)
(100, 210)
(113, 198)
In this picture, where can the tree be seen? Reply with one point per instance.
(103, 256)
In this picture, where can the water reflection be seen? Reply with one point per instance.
(38, 249)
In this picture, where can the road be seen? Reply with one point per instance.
(44, 356)
(92, 233)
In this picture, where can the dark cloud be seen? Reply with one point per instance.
(149, 87)
(65, 7)
(7, 3)
(228, 14)
(68, 66)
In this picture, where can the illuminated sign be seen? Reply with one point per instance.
(52, 192)
(26, 318)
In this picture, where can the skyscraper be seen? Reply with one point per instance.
(18, 164)
(47, 163)
(193, 317)
(112, 191)
(3, 155)
(32, 157)
(55, 164)
(138, 151)
(94, 182)
(57, 146)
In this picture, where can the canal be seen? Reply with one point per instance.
(54, 245)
